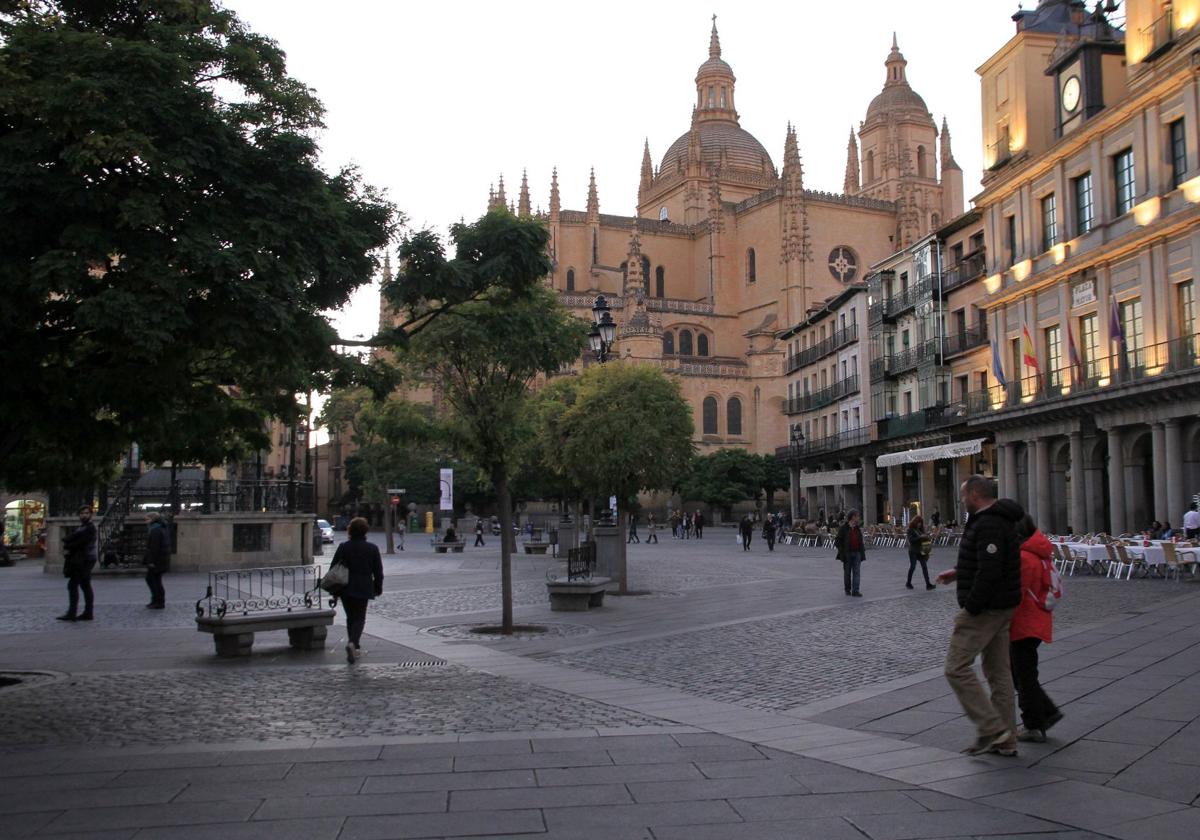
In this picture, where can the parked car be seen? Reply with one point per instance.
(326, 530)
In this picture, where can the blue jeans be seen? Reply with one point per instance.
(851, 568)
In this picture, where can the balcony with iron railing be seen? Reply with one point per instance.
(821, 446)
(820, 350)
(968, 339)
(1158, 37)
(1111, 377)
(922, 420)
(822, 398)
(971, 267)
(908, 359)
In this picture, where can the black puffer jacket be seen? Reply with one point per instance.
(989, 559)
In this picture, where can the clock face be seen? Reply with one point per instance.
(1070, 94)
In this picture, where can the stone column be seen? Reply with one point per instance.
(896, 492)
(1041, 466)
(1176, 503)
(1008, 486)
(1116, 482)
(608, 552)
(870, 513)
(1158, 449)
(1078, 512)
(794, 492)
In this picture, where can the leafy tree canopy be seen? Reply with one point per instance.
(168, 242)
(627, 429)
(724, 478)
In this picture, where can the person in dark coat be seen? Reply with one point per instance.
(80, 549)
(746, 530)
(768, 532)
(851, 548)
(698, 522)
(479, 533)
(919, 546)
(988, 575)
(157, 559)
(366, 582)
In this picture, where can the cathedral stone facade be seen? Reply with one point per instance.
(727, 250)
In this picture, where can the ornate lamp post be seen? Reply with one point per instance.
(604, 330)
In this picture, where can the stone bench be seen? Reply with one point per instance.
(234, 635)
(443, 547)
(577, 595)
(536, 547)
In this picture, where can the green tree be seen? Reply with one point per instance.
(168, 242)
(628, 429)
(775, 476)
(724, 478)
(484, 356)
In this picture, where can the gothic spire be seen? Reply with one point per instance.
(593, 200)
(851, 185)
(795, 245)
(634, 277)
(523, 206)
(500, 197)
(555, 204)
(714, 43)
(647, 172)
(895, 65)
(947, 155)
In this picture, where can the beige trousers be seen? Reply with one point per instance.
(985, 634)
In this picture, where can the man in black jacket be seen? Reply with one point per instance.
(80, 549)
(157, 559)
(988, 573)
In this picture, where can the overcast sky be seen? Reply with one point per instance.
(433, 101)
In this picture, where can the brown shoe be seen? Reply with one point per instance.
(993, 744)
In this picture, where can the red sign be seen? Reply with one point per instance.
(395, 500)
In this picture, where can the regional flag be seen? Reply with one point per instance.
(997, 367)
(1073, 356)
(1116, 331)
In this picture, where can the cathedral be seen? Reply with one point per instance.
(727, 250)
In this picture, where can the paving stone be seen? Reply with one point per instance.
(1161, 779)
(1080, 805)
(823, 805)
(715, 789)
(996, 781)
(344, 806)
(910, 722)
(1181, 823)
(94, 797)
(602, 818)
(625, 773)
(149, 816)
(821, 828)
(382, 767)
(533, 761)
(461, 824)
(539, 797)
(960, 823)
(736, 752)
(1134, 730)
(1095, 756)
(199, 775)
(322, 828)
(267, 788)
(486, 780)
(509, 746)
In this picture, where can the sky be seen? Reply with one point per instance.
(433, 101)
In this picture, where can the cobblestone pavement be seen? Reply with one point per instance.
(165, 707)
(785, 662)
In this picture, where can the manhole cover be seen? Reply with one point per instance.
(491, 632)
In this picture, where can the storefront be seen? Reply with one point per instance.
(23, 519)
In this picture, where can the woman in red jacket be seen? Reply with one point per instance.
(1032, 625)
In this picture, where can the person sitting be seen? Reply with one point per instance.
(1168, 533)
(451, 536)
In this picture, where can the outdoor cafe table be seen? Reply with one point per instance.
(1093, 553)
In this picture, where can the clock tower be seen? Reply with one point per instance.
(1085, 67)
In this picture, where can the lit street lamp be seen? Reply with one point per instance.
(604, 330)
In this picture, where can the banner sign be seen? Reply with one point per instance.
(447, 481)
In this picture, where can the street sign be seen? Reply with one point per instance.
(395, 500)
(396, 491)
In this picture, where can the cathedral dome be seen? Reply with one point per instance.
(897, 97)
(740, 148)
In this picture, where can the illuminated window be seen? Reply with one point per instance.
(1123, 179)
(1084, 209)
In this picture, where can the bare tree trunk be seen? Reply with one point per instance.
(500, 479)
(622, 553)
(389, 523)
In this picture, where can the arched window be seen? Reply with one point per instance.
(751, 269)
(660, 282)
(685, 342)
(701, 344)
(871, 167)
(668, 344)
(921, 164)
(646, 275)
(733, 417)
(570, 279)
(710, 415)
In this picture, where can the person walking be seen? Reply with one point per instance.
(687, 527)
(919, 547)
(401, 529)
(673, 518)
(988, 576)
(651, 529)
(157, 558)
(479, 533)
(366, 582)
(768, 532)
(1191, 522)
(633, 534)
(80, 549)
(851, 551)
(1032, 624)
(746, 531)
(698, 520)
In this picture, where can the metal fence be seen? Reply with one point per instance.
(272, 589)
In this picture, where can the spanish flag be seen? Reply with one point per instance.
(1029, 353)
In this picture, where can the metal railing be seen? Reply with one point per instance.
(1000, 152)
(829, 443)
(905, 360)
(272, 589)
(581, 562)
(820, 350)
(1158, 36)
(972, 267)
(968, 339)
(924, 419)
(1111, 373)
(822, 398)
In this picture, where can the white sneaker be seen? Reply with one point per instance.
(350, 653)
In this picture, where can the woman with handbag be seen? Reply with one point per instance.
(920, 545)
(365, 581)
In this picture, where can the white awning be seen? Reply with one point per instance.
(931, 453)
(829, 478)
